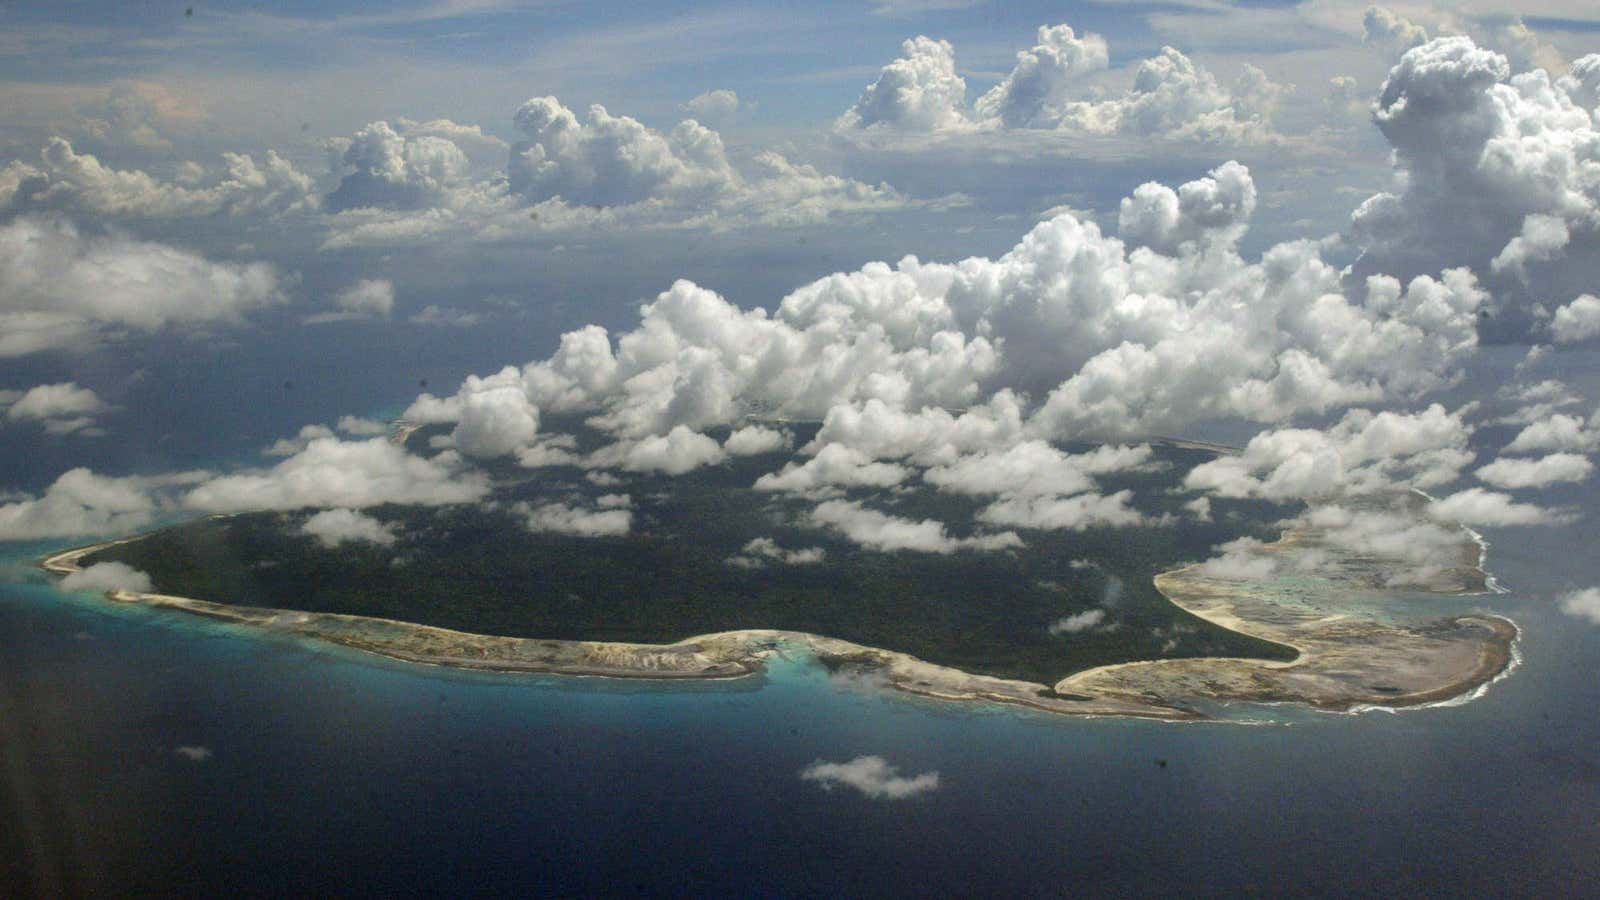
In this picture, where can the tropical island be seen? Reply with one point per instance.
(713, 576)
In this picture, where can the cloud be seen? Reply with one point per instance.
(1576, 322)
(1490, 171)
(495, 418)
(872, 776)
(330, 473)
(714, 106)
(369, 298)
(69, 182)
(834, 466)
(1078, 622)
(81, 503)
(194, 754)
(62, 289)
(107, 576)
(1516, 473)
(573, 174)
(1582, 604)
(761, 551)
(1476, 506)
(434, 315)
(62, 408)
(875, 530)
(610, 517)
(334, 527)
(1558, 432)
(1363, 452)
(919, 91)
(674, 453)
(1171, 98)
(753, 440)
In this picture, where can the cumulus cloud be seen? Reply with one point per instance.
(762, 550)
(1582, 604)
(1577, 321)
(61, 288)
(366, 299)
(334, 527)
(1492, 175)
(674, 453)
(752, 440)
(330, 472)
(1078, 622)
(876, 530)
(62, 408)
(1558, 432)
(81, 503)
(1476, 506)
(1363, 452)
(1556, 468)
(597, 172)
(919, 91)
(107, 576)
(610, 516)
(713, 106)
(872, 776)
(65, 181)
(1170, 98)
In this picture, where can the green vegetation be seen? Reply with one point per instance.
(481, 570)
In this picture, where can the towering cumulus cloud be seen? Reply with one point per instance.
(1498, 174)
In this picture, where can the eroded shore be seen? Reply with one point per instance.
(1347, 659)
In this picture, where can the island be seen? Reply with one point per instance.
(1124, 621)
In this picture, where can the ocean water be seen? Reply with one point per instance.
(308, 768)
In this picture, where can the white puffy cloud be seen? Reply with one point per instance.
(1087, 620)
(1388, 29)
(78, 183)
(1577, 321)
(872, 776)
(1076, 512)
(331, 473)
(609, 517)
(1171, 98)
(1476, 506)
(60, 288)
(920, 92)
(1582, 604)
(360, 427)
(1215, 209)
(1495, 173)
(594, 174)
(1556, 468)
(925, 363)
(834, 466)
(1041, 83)
(495, 418)
(714, 105)
(395, 171)
(758, 552)
(107, 576)
(81, 503)
(876, 530)
(333, 527)
(1558, 432)
(62, 408)
(752, 440)
(367, 298)
(674, 453)
(1364, 451)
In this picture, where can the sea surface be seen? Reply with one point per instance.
(153, 752)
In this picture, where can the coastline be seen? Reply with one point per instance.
(1342, 664)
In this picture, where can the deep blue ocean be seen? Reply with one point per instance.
(324, 770)
(150, 752)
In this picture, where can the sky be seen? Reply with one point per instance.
(1361, 242)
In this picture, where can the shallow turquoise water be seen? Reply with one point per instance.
(326, 769)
